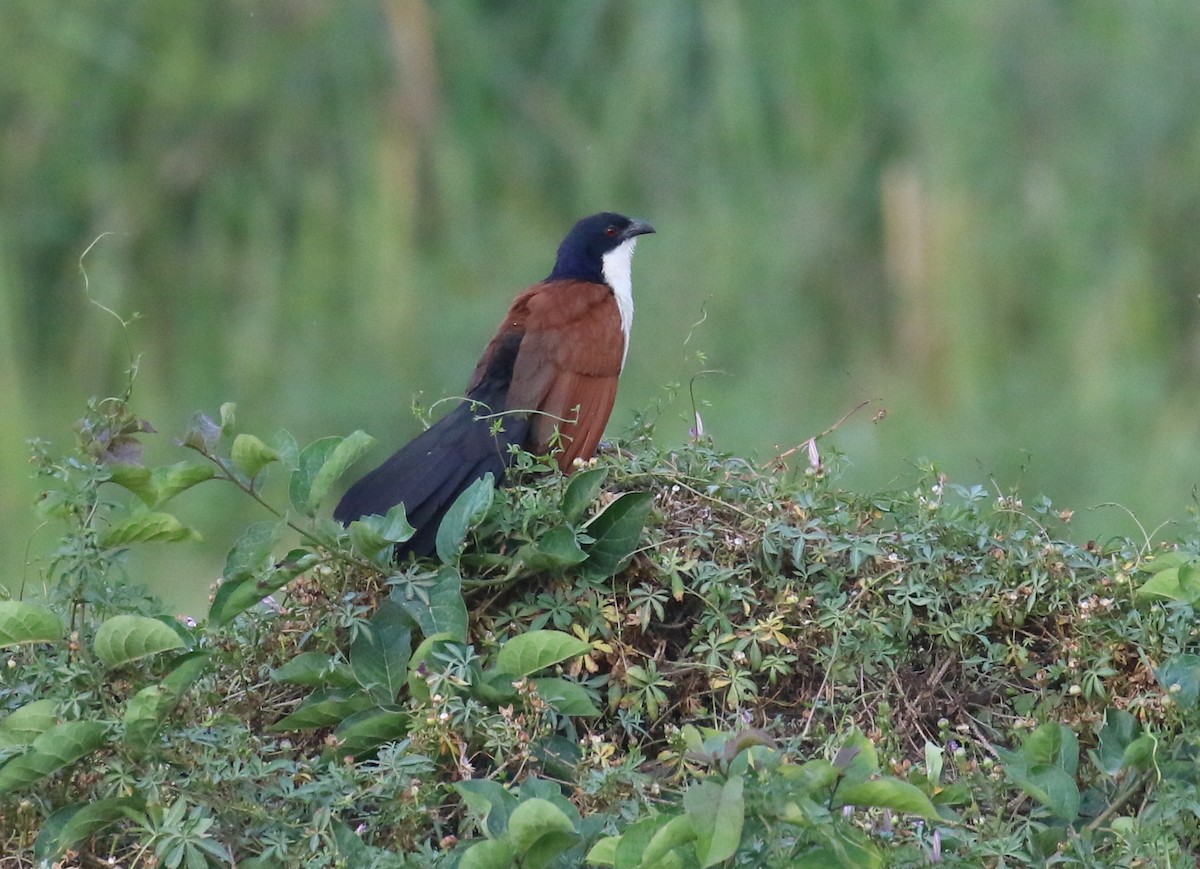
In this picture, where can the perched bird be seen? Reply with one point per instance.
(546, 381)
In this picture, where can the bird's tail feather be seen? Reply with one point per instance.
(432, 470)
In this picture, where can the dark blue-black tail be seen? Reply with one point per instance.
(429, 472)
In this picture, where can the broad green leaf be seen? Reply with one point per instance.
(534, 651)
(125, 638)
(379, 656)
(1140, 754)
(604, 852)
(489, 802)
(146, 710)
(465, 513)
(251, 553)
(566, 697)
(1119, 731)
(857, 759)
(143, 713)
(554, 550)
(418, 688)
(320, 465)
(634, 840)
(344, 454)
(616, 533)
(363, 732)
(236, 596)
(717, 812)
(22, 622)
(1050, 786)
(1178, 583)
(25, 723)
(57, 747)
(675, 833)
(324, 709)
(1180, 676)
(1052, 743)
(582, 492)
(489, 854)
(308, 465)
(934, 760)
(313, 670)
(812, 779)
(136, 479)
(436, 606)
(374, 537)
(853, 851)
(350, 847)
(887, 793)
(251, 455)
(73, 824)
(539, 831)
(284, 443)
(147, 527)
(170, 480)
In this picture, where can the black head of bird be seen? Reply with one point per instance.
(549, 376)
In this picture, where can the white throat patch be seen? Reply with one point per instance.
(616, 266)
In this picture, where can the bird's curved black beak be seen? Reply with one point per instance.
(637, 227)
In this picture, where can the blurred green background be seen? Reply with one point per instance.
(982, 215)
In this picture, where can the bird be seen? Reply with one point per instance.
(546, 381)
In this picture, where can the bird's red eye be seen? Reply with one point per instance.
(611, 232)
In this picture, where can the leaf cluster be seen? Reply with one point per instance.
(672, 658)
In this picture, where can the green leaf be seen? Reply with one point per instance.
(324, 709)
(251, 553)
(1049, 785)
(534, 651)
(314, 670)
(170, 480)
(857, 759)
(1052, 743)
(1180, 676)
(582, 492)
(319, 466)
(251, 455)
(1178, 583)
(717, 814)
(604, 852)
(26, 723)
(887, 793)
(359, 735)
(22, 622)
(566, 697)
(489, 802)
(418, 688)
(125, 638)
(488, 854)
(146, 710)
(347, 451)
(374, 537)
(616, 533)
(73, 824)
(437, 606)
(539, 831)
(147, 527)
(465, 513)
(379, 656)
(136, 479)
(675, 833)
(1119, 731)
(236, 596)
(52, 750)
(634, 840)
(554, 550)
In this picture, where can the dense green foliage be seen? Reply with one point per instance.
(673, 658)
(981, 214)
